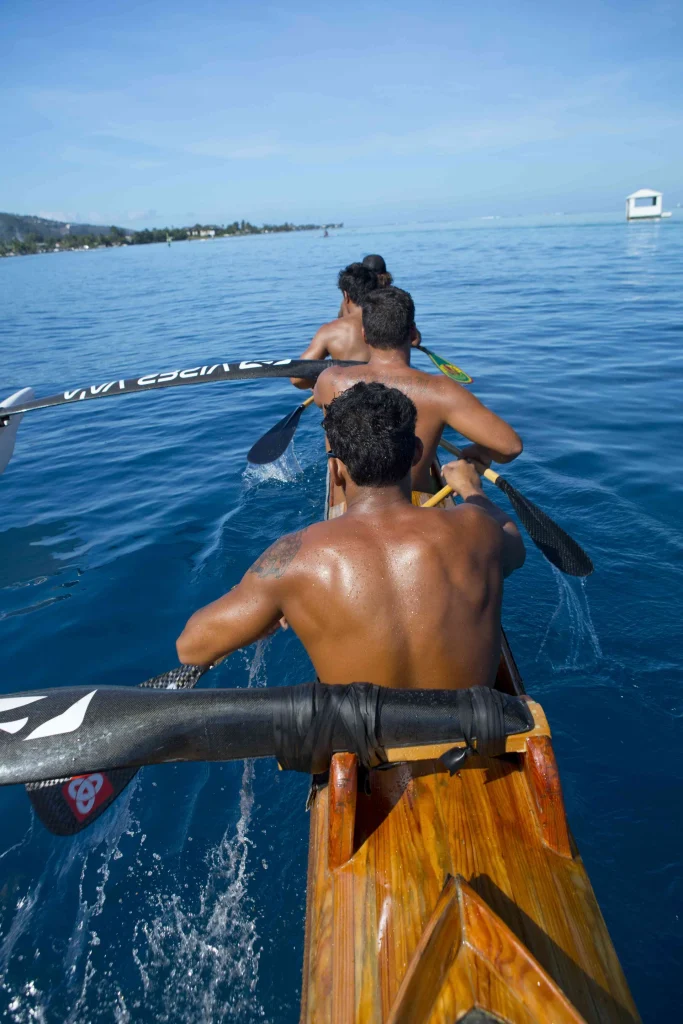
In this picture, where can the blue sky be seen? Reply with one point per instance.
(148, 112)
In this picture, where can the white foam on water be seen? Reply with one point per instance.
(26, 1006)
(574, 623)
(78, 959)
(27, 1003)
(121, 1014)
(199, 958)
(25, 909)
(285, 469)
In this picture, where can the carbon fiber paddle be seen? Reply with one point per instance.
(67, 806)
(275, 442)
(247, 369)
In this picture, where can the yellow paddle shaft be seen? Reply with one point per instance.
(308, 401)
(490, 474)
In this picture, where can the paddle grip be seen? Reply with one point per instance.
(490, 474)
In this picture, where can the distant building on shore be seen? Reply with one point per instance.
(645, 204)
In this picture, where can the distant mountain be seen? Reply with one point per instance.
(15, 227)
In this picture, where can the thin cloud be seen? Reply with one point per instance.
(229, 149)
(138, 215)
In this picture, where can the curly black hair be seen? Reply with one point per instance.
(357, 281)
(371, 428)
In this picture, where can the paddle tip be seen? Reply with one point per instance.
(9, 426)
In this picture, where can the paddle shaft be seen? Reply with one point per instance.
(246, 369)
(490, 474)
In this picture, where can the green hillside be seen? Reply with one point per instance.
(14, 227)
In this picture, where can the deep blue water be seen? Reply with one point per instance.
(119, 518)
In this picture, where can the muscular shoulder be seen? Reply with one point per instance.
(333, 381)
(479, 526)
(294, 554)
(336, 332)
(278, 558)
(329, 331)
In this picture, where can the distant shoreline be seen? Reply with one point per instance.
(34, 241)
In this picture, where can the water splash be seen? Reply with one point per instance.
(573, 615)
(286, 469)
(203, 960)
(26, 1006)
(84, 940)
(25, 1002)
(200, 961)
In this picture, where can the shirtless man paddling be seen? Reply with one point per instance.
(388, 593)
(343, 338)
(388, 324)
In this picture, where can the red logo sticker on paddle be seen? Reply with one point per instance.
(84, 793)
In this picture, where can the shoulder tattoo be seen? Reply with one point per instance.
(276, 559)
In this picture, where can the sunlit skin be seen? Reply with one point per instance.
(342, 338)
(339, 339)
(387, 593)
(440, 402)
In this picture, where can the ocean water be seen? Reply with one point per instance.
(119, 518)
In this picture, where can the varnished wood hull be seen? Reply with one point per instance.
(433, 900)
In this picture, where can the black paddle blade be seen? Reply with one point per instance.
(67, 806)
(275, 442)
(557, 546)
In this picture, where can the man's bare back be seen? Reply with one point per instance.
(387, 593)
(439, 401)
(342, 338)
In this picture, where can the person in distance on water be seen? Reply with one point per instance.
(387, 593)
(388, 322)
(343, 338)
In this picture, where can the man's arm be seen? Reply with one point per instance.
(495, 439)
(465, 481)
(250, 611)
(316, 350)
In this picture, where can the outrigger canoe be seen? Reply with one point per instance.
(436, 899)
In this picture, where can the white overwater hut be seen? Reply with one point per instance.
(645, 204)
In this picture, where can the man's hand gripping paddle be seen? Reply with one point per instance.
(557, 546)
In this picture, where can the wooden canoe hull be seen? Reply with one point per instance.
(435, 899)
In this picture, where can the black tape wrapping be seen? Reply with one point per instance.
(309, 727)
(302, 726)
(482, 719)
